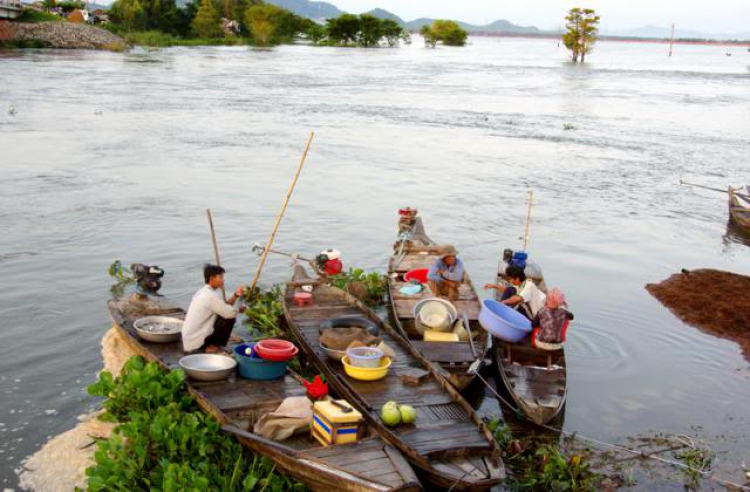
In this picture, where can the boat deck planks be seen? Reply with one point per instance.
(241, 402)
(445, 433)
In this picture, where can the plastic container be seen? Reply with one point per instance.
(420, 275)
(365, 356)
(331, 425)
(365, 373)
(302, 299)
(276, 350)
(434, 314)
(504, 322)
(439, 336)
(255, 367)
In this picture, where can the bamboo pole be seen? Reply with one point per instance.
(685, 183)
(528, 220)
(216, 247)
(281, 215)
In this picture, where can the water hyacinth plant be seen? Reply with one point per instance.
(163, 442)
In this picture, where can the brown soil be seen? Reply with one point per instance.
(716, 302)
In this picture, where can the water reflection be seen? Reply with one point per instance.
(735, 235)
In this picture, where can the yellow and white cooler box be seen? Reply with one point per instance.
(331, 425)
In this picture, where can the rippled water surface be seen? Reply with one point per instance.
(116, 156)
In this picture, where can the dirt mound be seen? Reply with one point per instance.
(716, 302)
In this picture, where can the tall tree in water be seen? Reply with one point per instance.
(206, 21)
(583, 29)
(259, 19)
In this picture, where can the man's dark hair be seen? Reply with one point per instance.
(515, 271)
(211, 271)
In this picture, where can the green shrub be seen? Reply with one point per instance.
(32, 16)
(164, 443)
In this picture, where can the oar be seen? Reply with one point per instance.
(281, 215)
(216, 247)
(684, 183)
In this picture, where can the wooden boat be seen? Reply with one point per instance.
(371, 465)
(535, 379)
(739, 207)
(449, 443)
(415, 250)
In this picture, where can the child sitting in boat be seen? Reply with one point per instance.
(551, 322)
(522, 293)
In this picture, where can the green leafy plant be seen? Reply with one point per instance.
(165, 443)
(368, 287)
(543, 466)
(699, 459)
(263, 313)
(121, 276)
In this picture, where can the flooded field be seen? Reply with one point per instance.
(116, 156)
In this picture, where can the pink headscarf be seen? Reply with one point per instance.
(555, 299)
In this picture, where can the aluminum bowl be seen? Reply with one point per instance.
(159, 329)
(333, 354)
(208, 367)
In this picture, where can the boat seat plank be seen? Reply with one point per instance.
(405, 308)
(445, 351)
(465, 293)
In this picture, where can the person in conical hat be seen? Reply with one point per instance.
(446, 274)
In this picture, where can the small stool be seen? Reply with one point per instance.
(302, 299)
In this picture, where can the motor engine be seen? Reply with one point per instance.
(148, 278)
(329, 262)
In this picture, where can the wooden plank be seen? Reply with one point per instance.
(445, 351)
(405, 309)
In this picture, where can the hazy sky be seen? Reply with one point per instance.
(706, 16)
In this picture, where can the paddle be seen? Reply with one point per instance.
(281, 215)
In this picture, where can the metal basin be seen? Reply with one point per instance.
(159, 329)
(208, 367)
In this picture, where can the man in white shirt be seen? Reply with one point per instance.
(210, 319)
(522, 294)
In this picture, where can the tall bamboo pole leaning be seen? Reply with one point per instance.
(528, 221)
(216, 247)
(281, 214)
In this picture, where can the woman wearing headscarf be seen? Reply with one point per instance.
(551, 321)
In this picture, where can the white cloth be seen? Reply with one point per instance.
(206, 305)
(532, 296)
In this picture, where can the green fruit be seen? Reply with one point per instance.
(408, 414)
(390, 415)
(391, 404)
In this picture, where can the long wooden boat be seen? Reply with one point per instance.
(536, 379)
(739, 207)
(371, 465)
(449, 443)
(415, 250)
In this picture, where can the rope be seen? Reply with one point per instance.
(576, 435)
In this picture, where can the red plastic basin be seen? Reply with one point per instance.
(419, 275)
(276, 350)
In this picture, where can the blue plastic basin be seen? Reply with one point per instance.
(254, 367)
(504, 322)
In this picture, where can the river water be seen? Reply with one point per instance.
(116, 156)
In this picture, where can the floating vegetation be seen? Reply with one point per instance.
(122, 276)
(568, 127)
(163, 442)
(370, 288)
(698, 457)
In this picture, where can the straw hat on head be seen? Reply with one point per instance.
(448, 251)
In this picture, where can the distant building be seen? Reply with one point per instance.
(230, 27)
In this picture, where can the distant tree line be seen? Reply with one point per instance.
(447, 32)
(263, 23)
(364, 30)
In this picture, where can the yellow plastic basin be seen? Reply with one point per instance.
(367, 373)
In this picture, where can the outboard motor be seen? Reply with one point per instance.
(329, 262)
(148, 278)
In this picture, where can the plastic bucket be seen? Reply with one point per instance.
(504, 322)
(365, 356)
(254, 367)
(420, 275)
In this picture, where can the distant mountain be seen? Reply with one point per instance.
(497, 27)
(384, 14)
(310, 9)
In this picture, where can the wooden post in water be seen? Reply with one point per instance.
(281, 214)
(671, 42)
(216, 247)
(528, 221)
